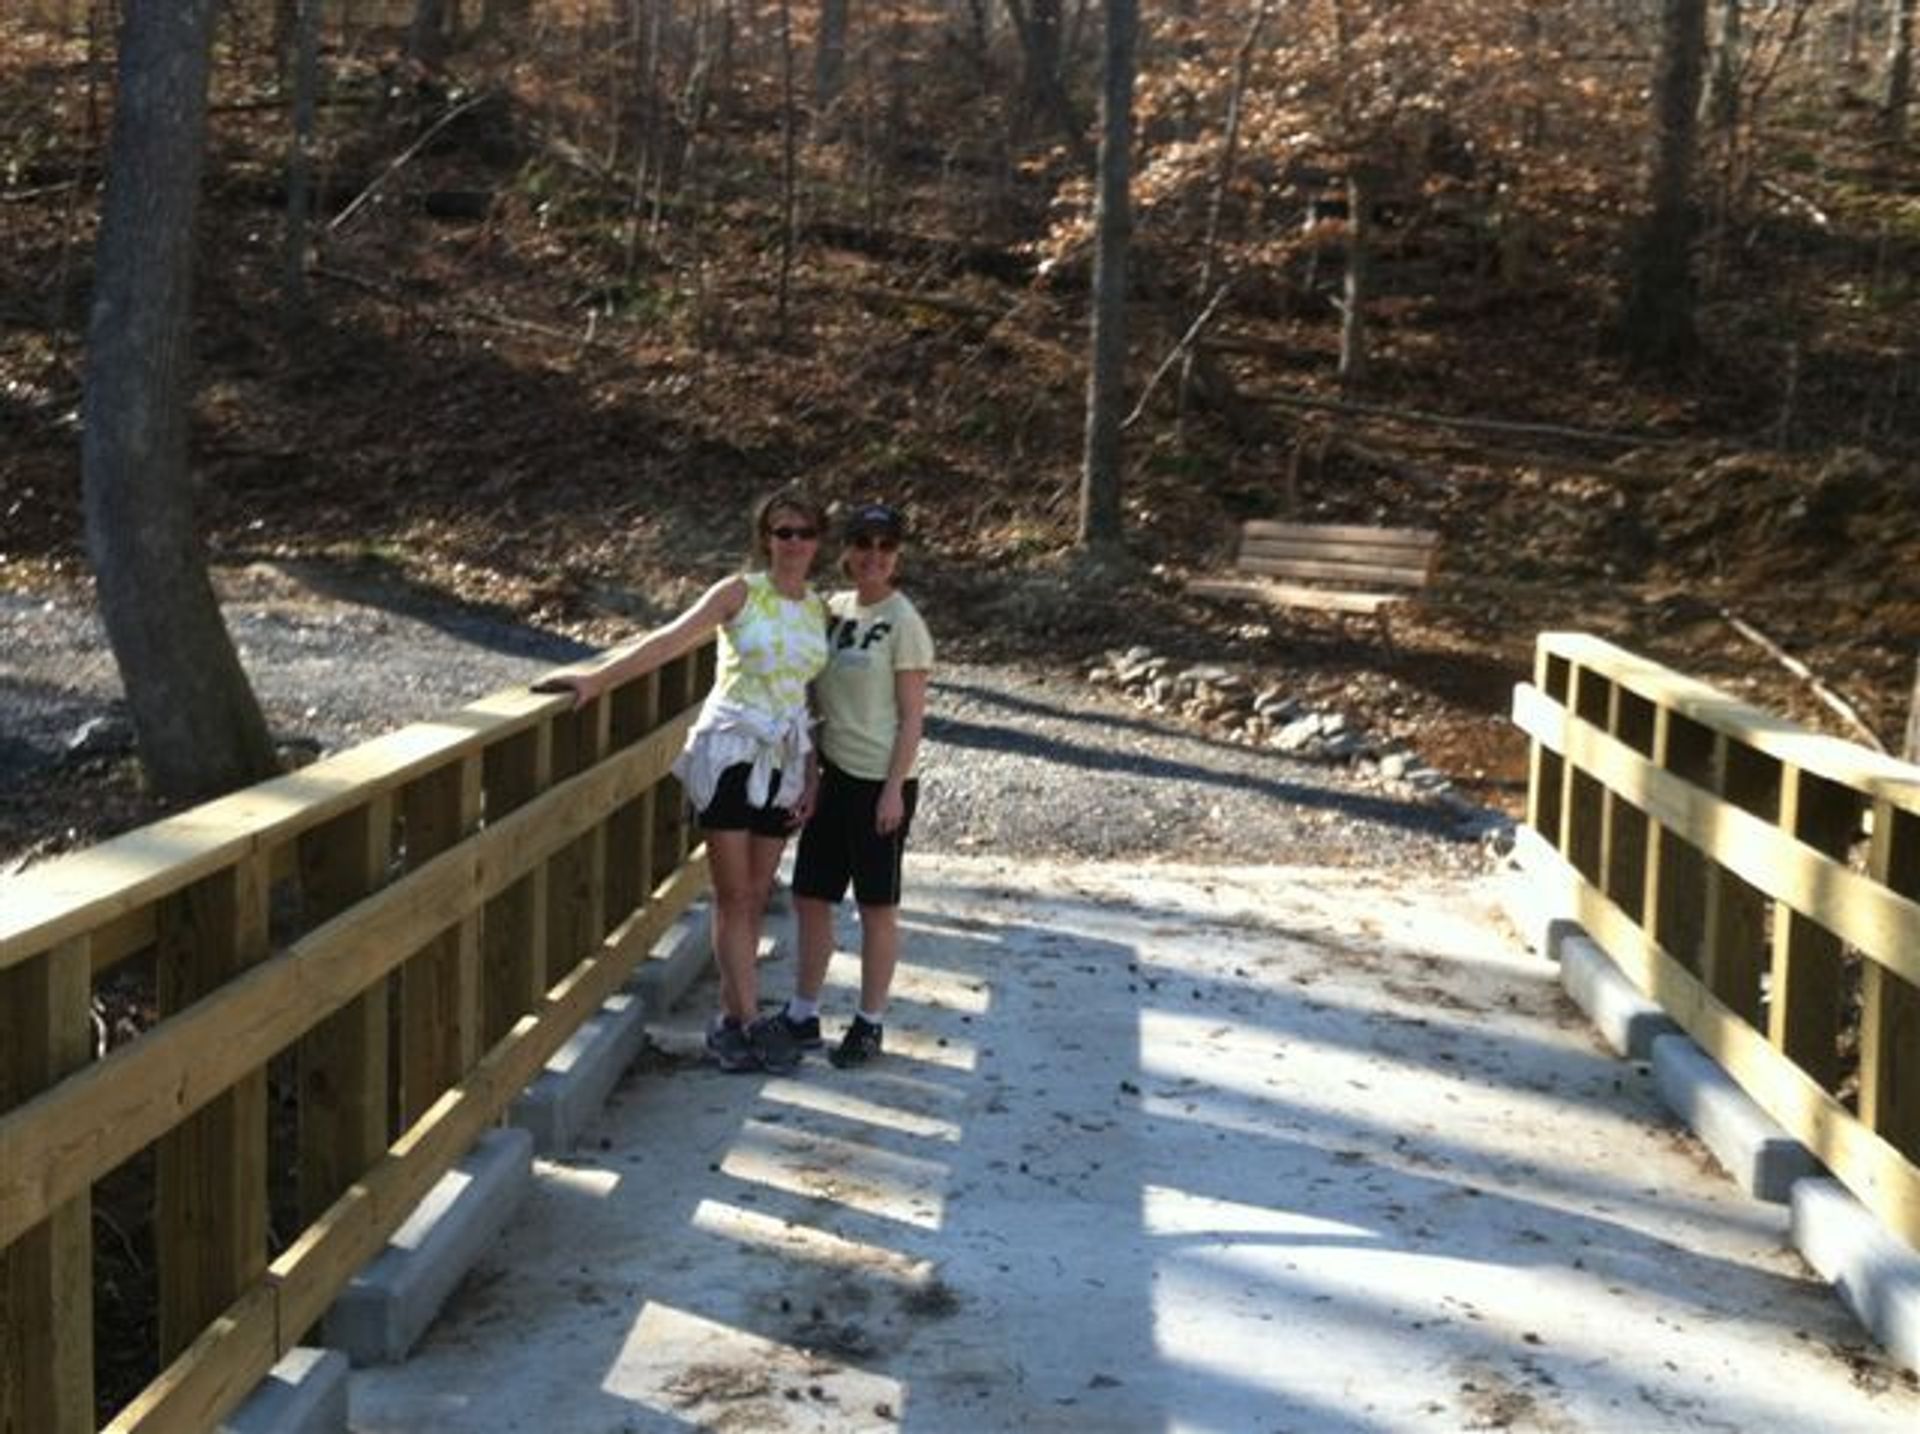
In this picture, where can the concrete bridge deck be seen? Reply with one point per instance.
(1154, 1148)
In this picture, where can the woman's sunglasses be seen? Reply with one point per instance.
(794, 535)
(867, 541)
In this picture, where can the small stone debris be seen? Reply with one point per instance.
(1232, 706)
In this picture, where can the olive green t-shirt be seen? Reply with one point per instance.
(859, 710)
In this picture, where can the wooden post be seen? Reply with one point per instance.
(636, 712)
(1734, 945)
(513, 935)
(1804, 1011)
(211, 1206)
(1582, 800)
(343, 1074)
(1545, 767)
(1890, 1006)
(576, 897)
(1676, 869)
(1623, 839)
(439, 1034)
(46, 1276)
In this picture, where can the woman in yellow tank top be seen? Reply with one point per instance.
(745, 765)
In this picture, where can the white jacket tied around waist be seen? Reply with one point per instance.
(728, 733)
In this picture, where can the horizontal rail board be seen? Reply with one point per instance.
(1418, 538)
(1288, 595)
(1370, 554)
(48, 904)
(1335, 572)
(1836, 760)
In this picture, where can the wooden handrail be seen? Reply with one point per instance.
(1748, 875)
(377, 925)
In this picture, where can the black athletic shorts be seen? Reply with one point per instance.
(839, 843)
(730, 811)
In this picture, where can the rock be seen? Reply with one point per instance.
(1395, 765)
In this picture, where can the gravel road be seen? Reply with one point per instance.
(1016, 763)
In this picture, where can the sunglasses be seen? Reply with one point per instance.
(794, 535)
(869, 543)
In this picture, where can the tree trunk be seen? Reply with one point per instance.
(306, 85)
(427, 41)
(1037, 22)
(1720, 106)
(199, 729)
(1910, 746)
(830, 58)
(1656, 321)
(1356, 287)
(1100, 517)
(1897, 95)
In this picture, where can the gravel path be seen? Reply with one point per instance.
(1016, 763)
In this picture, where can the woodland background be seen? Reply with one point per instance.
(519, 303)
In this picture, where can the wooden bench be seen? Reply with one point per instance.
(1327, 567)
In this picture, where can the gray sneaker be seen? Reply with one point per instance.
(859, 1045)
(771, 1040)
(731, 1048)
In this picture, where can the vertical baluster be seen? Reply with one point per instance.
(211, 1189)
(439, 1027)
(46, 1276)
(1890, 1005)
(513, 937)
(1734, 943)
(1804, 1010)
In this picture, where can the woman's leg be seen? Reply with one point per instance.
(879, 954)
(739, 896)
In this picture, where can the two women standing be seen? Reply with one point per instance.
(753, 776)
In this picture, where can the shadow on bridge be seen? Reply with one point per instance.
(1238, 1150)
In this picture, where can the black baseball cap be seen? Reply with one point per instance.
(875, 518)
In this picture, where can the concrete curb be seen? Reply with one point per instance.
(1762, 1158)
(1875, 1275)
(1628, 1020)
(677, 960)
(305, 1393)
(387, 1306)
(568, 1094)
(1532, 894)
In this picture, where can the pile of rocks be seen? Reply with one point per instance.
(1233, 706)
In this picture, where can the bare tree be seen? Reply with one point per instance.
(830, 54)
(1897, 95)
(1656, 327)
(199, 727)
(1100, 516)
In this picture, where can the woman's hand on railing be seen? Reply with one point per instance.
(583, 685)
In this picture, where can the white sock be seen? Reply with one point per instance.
(801, 1009)
(871, 1019)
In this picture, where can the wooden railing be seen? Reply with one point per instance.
(1757, 880)
(352, 970)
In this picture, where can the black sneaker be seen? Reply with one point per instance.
(859, 1045)
(806, 1034)
(773, 1044)
(727, 1040)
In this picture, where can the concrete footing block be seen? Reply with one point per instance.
(1534, 894)
(569, 1093)
(1628, 1020)
(305, 1393)
(387, 1306)
(1877, 1276)
(1762, 1158)
(677, 960)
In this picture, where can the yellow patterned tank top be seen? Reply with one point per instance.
(772, 649)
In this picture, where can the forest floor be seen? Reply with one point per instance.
(511, 409)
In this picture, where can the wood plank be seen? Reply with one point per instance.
(58, 1143)
(1340, 532)
(1333, 572)
(210, 1211)
(513, 933)
(1291, 595)
(1368, 554)
(439, 986)
(1734, 944)
(46, 1275)
(1890, 1002)
(1807, 986)
(1847, 763)
(342, 1062)
(1884, 925)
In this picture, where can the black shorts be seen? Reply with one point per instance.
(730, 811)
(839, 843)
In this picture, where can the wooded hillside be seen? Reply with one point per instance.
(523, 300)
